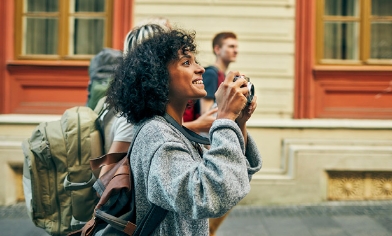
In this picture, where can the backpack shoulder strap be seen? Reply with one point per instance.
(100, 105)
(219, 74)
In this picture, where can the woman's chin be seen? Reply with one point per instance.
(202, 95)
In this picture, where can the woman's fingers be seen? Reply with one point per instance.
(231, 96)
(253, 105)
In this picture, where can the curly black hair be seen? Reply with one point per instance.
(140, 87)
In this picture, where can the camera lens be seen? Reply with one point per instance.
(251, 88)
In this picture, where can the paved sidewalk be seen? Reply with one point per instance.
(370, 218)
(367, 218)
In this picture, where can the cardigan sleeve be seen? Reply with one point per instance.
(251, 152)
(181, 181)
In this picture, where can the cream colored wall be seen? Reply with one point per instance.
(299, 154)
(265, 30)
(13, 129)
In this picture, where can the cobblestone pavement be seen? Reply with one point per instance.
(363, 218)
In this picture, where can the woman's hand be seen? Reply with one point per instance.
(246, 113)
(231, 97)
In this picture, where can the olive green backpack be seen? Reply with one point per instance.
(57, 177)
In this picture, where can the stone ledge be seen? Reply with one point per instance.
(256, 123)
(26, 118)
(320, 123)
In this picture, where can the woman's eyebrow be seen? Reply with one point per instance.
(186, 56)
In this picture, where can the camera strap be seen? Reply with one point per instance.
(189, 134)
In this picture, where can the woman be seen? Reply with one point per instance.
(158, 77)
(117, 138)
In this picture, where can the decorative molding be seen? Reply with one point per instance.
(353, 94)
(346, 186)
(354, 124)
(291, 147)
(381, 185)
(350, 185)
(32, 85)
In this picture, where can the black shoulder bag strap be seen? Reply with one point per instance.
(189, 134)
(155, 214)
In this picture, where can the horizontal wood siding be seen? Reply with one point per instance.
(265, 30)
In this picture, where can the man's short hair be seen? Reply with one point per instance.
(218, 39)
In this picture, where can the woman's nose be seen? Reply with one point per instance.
(200, 69)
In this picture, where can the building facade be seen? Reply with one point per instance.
(322, 70)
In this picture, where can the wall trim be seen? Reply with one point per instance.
(320, 123)
(255, 123)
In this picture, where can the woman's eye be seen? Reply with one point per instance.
(187, 63)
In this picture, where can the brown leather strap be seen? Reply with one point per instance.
(121, 182)
(88, 228)
(103, 164)
(106, 159)
(113, 170)
(129, 228)
(75, 233)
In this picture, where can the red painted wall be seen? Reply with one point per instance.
(320, 91)
(47, 87)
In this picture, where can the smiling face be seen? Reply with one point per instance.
(186, 80)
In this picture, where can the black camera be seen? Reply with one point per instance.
(250, 86)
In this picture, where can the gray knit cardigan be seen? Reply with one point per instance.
(169, 172)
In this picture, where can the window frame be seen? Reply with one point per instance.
(315, 83)
(365, 18)
(64, 33)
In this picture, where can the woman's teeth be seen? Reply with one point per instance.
(197, 82)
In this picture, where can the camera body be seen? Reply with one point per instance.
(250, 86)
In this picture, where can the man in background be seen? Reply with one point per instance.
(225, 48)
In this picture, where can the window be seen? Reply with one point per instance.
(62, 29)
(354, 32)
